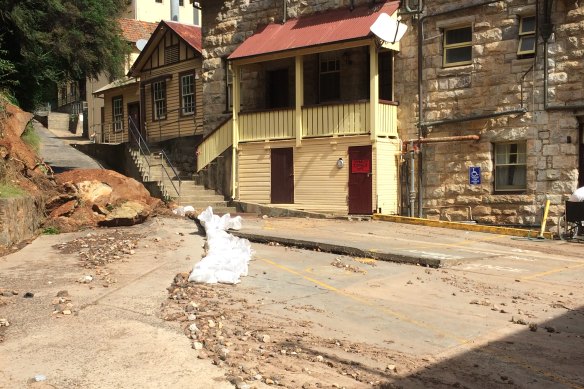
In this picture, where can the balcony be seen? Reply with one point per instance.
(337, 119)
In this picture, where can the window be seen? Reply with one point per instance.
(526, 47)
(510, 167)
(187, 94)
(118, 113)
(181, 3)
(159, 100)
(457, 46)
(329, 77)
(158, 1)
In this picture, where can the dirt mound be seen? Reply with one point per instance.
(19, 163)
(77, 198)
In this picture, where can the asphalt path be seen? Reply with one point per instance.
(57, 151)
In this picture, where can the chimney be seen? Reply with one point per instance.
(174, 10)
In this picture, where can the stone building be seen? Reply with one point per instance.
(498, 86)
(511, 74)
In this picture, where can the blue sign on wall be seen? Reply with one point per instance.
(474, 175)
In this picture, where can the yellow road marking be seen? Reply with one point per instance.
(552, 271)
(402, 317)
(388, 311)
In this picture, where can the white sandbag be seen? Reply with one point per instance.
(182, 211)
(227, 256)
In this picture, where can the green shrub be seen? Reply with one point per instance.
(51, 231)
(31, 138)
(9, 190)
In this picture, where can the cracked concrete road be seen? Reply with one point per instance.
(115, 337)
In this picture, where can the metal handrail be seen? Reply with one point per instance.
(137, 138)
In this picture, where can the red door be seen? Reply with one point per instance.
(360, 181)
(282, 176)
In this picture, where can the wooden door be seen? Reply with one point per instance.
(134, 114)
(282, 164)
(360, 181)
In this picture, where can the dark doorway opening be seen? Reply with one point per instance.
(278, 89)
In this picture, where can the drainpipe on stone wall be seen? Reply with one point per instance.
(546, 33)
(422, 126)
(285, 12)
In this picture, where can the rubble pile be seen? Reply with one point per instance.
(97, 250)
(256, 347)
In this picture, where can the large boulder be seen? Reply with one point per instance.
(98, 197)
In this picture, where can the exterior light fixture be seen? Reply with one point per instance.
(340, 163)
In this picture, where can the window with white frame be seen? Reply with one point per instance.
(187, 93)
(159, 100)
(526, 36)
(457, 46)
(118, 113)
(329, 77)
(510, 167)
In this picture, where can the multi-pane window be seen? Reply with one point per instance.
(187, 93)
(457, 46)
(526, 36)
(118, 113)
(330, 77)
(510, 166)
(159, 99)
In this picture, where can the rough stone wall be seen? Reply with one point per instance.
(226, 24)
(20, 218)
(493, 83)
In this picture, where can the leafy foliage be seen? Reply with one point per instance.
(45, 42)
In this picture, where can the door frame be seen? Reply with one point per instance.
(360, 198)
(283, 177)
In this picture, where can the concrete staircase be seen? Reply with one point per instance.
(154, 169)
(58, 121)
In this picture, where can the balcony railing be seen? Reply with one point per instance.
(350, 118)
(267, 124)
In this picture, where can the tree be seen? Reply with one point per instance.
(46, 42)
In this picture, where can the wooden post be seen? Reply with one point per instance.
(373, 89)
(235, 147)
(299, 83)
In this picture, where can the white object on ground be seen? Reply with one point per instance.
(578, 195)
(181, 211)
(227, 256)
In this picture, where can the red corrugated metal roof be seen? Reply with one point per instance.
(191, 34)
(134, 30)
(317, 29)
